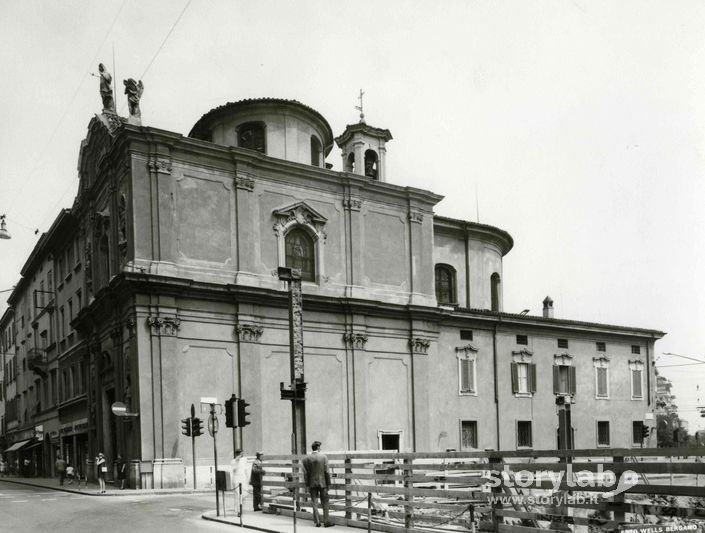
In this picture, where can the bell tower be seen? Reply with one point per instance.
(363, 147)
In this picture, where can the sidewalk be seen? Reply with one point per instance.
(266, 522)
(91, 488)
(275, 523)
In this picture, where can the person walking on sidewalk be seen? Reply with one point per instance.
(256, 482)
(102, 469)
(69, 474)
(317, 479)
(238, 467)
(120, 466)
(60, 469)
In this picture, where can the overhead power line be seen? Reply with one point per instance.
(40, 161)
(166, 38)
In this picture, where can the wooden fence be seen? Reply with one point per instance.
(503, 492)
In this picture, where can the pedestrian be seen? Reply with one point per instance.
(70, 474)
(256, 481)
(102, 469)
(60, 465)
(238, 468)
(120, 466)
(26, 466)
(3, 467)
(317, 479)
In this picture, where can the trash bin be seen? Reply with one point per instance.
(222, 480)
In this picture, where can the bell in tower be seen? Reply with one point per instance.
(363, 147)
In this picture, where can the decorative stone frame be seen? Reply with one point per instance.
(634, 365)
(526, 357)
(562, 359)
(467, 353)
(601, 362)
(302, 216)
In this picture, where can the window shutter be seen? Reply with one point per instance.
(556, 380)
(636, 380)
(571, 379)
(532, 377)
(515, 378)
(471, 376)
(601, 381)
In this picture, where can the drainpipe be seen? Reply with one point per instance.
(496, 386)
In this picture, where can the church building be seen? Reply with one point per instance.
(172, 281)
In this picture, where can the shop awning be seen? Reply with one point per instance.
(16, 446)
(32, 443)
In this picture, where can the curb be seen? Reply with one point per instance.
(244, 526)
(117, 493)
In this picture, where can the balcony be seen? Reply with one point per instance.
(37, 361)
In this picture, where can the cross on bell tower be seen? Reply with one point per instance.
(363, 147)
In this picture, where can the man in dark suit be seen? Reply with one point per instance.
(317, 479)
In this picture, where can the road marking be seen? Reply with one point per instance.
(49, 499)
(20, 501)
(173, 509)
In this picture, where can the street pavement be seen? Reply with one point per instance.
(40, 504)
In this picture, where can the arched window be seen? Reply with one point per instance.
(316, 151)
(251, 136)
(350, 164)
(445, 284)
(494, 283)
(300, 253)
(371, 164)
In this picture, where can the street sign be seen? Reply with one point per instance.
(119, 409)
(209, 399)
(212, 425)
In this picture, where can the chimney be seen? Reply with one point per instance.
(547, 307)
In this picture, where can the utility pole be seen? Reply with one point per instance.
(296, 392)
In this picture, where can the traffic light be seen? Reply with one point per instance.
(645, 431)
(231, 412)
(197, 424)
(242, 413)
(186, 426)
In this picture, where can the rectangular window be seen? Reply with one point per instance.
(466, 334)
(600, 346)
(636, 349)
(467, 376)
(50, 283)
(563, 379)
(601, 383)
(636, 384)
(468, 435)
(524, 437)
(69, 258)
(603, 433)
(562, 343)
(637, 432)
(523, 378)
(62, 324)
(523, 340)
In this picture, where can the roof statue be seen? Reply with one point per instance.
(134, 90)
(106, 89)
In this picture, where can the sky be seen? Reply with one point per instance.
(577, 126)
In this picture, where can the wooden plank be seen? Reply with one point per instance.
(617, 468)
(591, 452)
(506, 528)
(554, 517)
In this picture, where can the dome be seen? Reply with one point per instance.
(285, 129)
